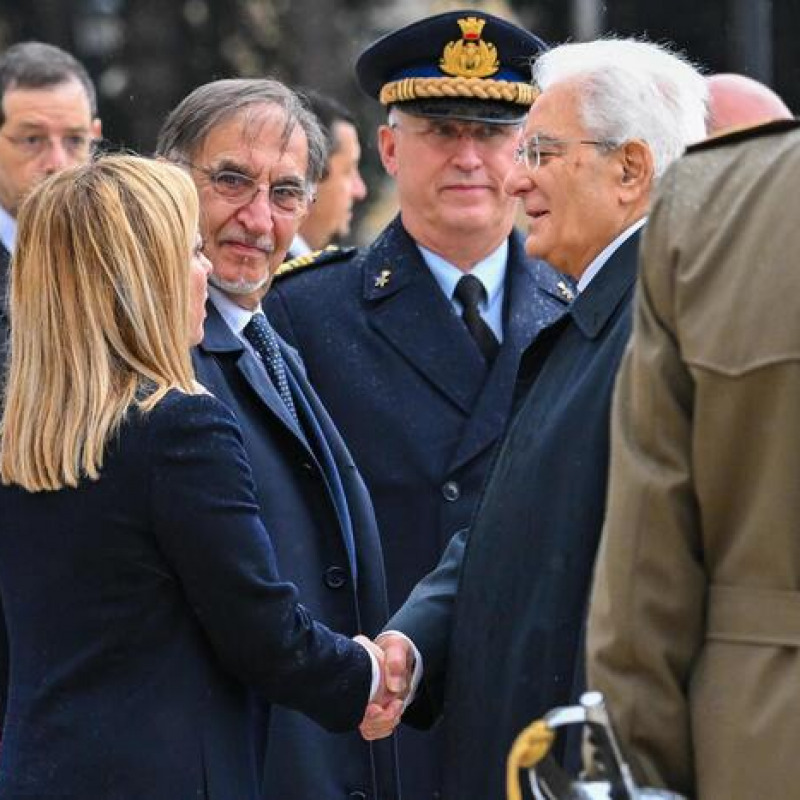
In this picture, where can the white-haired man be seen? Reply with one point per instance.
(500, 624)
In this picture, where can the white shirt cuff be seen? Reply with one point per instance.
(375, 683)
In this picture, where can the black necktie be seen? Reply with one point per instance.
(259, 333)
(469, 292)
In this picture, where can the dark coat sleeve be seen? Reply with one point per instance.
(426, 618)
(4, 337)
(3, 667)
(206, 521)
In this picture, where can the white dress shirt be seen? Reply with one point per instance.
(599, 261)
(8, 230)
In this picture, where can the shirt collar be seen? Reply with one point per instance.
(234, 315)
(491, 271)
(8, 230)
(597, 264)
(299, 246)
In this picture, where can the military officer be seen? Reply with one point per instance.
(413, 343)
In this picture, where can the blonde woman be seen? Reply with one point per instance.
(139, 587)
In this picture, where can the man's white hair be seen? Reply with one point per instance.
(631, 89)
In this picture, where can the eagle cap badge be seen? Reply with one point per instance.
(470, 57)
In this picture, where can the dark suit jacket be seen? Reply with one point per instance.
(139, 609)
(500, 623)
(410, 392)
(319, 515)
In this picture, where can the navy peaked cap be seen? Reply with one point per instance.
(461, 64)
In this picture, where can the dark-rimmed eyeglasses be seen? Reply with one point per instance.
(287, 198)
(536, 151)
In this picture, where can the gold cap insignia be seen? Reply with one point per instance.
(470, 57)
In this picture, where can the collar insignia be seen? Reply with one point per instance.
(470, 57)
(383, 279)
(565, 291)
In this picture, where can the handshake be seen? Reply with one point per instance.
(395, 657)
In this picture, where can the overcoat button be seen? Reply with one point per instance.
(451, 491)
(335, 577)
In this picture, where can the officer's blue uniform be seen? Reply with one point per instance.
(419, 407)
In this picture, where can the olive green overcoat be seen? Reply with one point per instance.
(694, 632)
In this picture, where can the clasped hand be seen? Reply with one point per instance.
(396, 659)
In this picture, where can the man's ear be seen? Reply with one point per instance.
(387, 147)
(96, 128)
(636, 170)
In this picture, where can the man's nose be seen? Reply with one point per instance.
(359, 188)
(56, 157)
(518, 180)
(467, 154)
(257, 215)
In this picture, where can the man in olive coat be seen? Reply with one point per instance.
(694, 632)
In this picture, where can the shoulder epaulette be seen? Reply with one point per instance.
(329, 255)
(743, 134)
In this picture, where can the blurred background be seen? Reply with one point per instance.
(145, 55)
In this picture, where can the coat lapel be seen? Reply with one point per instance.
(219, 339)
(326, 445)
(407, 308)
(536, 296)
(595, 306)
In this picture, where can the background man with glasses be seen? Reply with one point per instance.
(500, 624)
(413, 343)
(255, 153)
(341, 184)
(48, 122)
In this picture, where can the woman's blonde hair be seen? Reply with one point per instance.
(99, 307)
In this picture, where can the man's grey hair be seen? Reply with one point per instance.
(186, 128)
(35, 65)
(631, 89)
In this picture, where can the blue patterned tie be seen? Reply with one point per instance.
(259, 333)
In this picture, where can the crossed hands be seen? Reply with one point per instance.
(396, 659)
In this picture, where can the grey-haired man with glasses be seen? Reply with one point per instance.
(255, 153)
(500, 623)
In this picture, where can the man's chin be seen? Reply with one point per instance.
(239, 287)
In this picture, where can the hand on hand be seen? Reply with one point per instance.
(396, 660)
